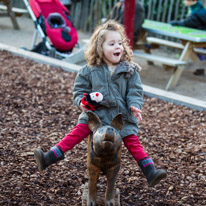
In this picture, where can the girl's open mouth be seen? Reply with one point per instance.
(117, 54)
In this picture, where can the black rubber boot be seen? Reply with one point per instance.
(152, 174)
(199, 72)
(43, 160)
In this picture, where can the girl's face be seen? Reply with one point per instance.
(112, 48)
(189, 2)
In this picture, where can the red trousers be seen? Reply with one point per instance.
(81, 131)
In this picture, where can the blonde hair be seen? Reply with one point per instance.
(94, 53)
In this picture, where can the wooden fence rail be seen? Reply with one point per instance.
(86, 14)
(85, 18)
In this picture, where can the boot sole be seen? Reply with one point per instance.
(158, 178)
(38, 153)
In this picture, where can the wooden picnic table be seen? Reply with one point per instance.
(9, 12)
(190, 39)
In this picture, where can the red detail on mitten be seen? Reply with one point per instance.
(87, 104)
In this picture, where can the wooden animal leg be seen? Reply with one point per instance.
(111, 179)
(92, 184)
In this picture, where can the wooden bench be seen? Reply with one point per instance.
(154, 40)
(164, 60)
(200, 51)
(160, 59)
(157, 41)
(189, 39)
(17, 11)
(9, 12)
(173, 63)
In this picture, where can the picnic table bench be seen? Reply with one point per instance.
(12, 12)
(191, 42)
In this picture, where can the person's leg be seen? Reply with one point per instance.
(56, 153)
(200, 71)
(146, 164)
(78, 133)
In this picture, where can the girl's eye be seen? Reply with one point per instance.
(120, 43)
(112, 44)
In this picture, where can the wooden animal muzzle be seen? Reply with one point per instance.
(106, 140)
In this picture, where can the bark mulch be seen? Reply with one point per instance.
(36, 110)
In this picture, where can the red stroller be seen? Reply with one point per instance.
(52, 20)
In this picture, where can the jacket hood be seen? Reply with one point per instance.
(129, 68)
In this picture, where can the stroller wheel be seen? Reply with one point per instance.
(41, 49)
(52, 52)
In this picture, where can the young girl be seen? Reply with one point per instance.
(111, 72)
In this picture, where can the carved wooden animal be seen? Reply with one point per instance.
(104, 155)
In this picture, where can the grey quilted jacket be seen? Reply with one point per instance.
(120, 91)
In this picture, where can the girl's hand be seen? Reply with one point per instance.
(83, 107)
(137, 113)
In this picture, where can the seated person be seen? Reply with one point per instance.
(196, 19)
(117, 14)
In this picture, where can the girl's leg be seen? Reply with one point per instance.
(134, 146)
(56, 153)
(79, 132)
(144, 161)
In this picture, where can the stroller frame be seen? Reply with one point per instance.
(52, 52)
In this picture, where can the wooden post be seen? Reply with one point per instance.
(100, 195)
(10, 13)
(129, 14)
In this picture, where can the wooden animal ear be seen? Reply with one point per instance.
(93, 122)
(117, 122)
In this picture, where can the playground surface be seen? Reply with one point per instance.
(152, 75)
(36, 110)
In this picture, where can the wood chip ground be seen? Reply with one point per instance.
(36, 110)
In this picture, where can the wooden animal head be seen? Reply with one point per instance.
(106, 139)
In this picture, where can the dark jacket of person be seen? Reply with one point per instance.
(117, 14)
(196, 19)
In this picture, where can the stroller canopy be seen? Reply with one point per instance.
(58, 26)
